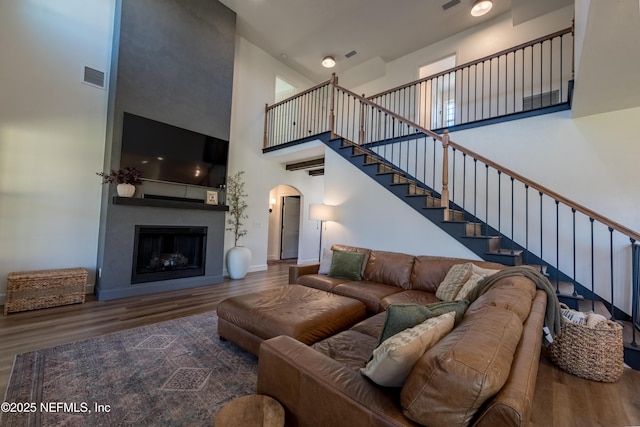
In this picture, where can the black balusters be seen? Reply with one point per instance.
(464, 180)
(512, 208)
(541, 217)
(613, 315)
(475, 195)
(499, 202)
(573, 213)
(593, 264)
(557, 247)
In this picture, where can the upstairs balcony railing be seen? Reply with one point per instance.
(577, 244)
(525, 78)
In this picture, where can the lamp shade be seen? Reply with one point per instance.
(320, 212)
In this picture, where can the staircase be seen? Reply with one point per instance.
(497, 213)
(485, 241)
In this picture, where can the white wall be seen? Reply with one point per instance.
(488, 38)
(254, 86)
(370, 216)
(52, 132)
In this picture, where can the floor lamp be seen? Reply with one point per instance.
(322, 213)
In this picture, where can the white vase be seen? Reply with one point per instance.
(238, 261)
(126, 190)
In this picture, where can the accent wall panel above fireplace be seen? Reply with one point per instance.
(172, 62)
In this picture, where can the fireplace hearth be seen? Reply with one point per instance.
(165, 253)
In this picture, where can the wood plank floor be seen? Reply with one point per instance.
(561, 399)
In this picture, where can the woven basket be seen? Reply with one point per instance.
(30, 290)
(594, 353)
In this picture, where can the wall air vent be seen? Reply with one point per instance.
(541, 100)
(94, 77)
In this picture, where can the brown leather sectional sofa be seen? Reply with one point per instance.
(482, 373)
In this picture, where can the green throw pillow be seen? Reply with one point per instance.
(346, 265)
(403, 316)
(441, 307)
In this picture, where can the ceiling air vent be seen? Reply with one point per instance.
(93, 77)
(449, 4)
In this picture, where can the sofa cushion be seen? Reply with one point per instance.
(371, 326)
(403, 316)
(370, 293)
(351, 348)
(412, 296)
(454, 280)
(429, 271)
(390, 268)
(347, 265)
(513, 293)
(457, 375)
(395, 357)
(320, 281)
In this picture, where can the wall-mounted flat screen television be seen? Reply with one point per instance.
(168, 153)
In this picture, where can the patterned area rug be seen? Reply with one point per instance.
(175, 373)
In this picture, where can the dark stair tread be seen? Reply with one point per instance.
(506, 252)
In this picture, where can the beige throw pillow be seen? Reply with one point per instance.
(393, 359)
(483, 271)
(453, 281)
(469, 286)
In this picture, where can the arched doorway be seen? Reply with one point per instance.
(285, 206)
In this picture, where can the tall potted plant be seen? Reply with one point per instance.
(238, 257)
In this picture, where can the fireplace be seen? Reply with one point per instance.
(164, 253)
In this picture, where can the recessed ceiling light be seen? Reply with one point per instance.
(328, 62)
(481, 7)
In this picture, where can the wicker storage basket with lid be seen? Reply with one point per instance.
(30, 290)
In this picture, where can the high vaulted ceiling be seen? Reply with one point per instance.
(301, 32)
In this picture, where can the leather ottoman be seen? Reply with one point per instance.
(306, 314)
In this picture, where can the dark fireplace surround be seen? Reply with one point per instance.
(165, 253)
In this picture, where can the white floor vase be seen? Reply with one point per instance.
(238, 261)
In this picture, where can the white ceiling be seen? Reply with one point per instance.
(301, 32)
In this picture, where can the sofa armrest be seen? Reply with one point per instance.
(298, 270)
(319, 391)
(512, 405)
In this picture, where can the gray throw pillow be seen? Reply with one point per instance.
(346, 265)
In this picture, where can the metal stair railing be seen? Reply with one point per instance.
(534, 75)
(570, 241)
(574, 243)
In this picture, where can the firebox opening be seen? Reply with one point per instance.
(164, 253)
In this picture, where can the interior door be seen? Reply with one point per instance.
(290, 231)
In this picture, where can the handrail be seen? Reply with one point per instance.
(390, 113)
(526, 181)
(298, 95)
(548, 192)
(476, 62)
